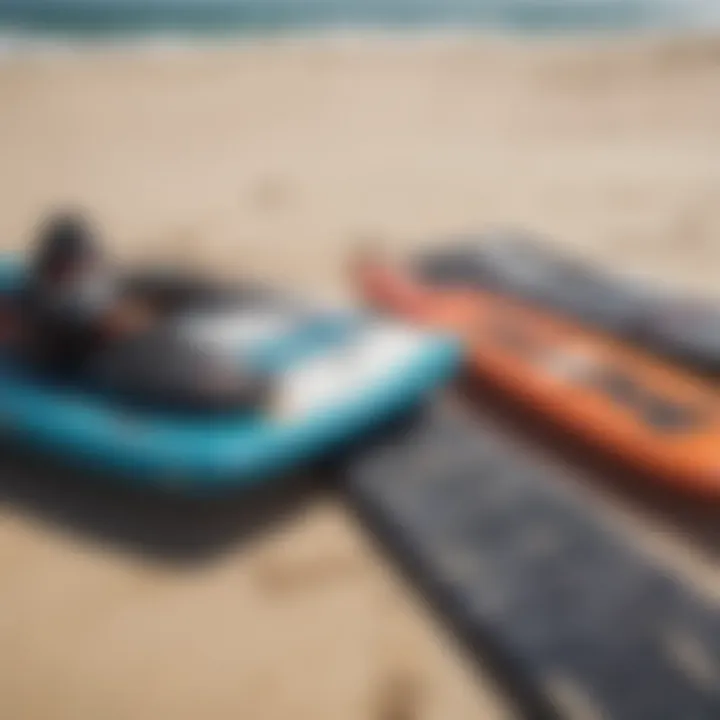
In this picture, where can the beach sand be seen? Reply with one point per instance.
(276, 159)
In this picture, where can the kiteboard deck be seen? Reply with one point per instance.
(535, 578)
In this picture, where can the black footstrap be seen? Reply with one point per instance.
(532, 577)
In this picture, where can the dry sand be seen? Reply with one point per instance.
(275, 159)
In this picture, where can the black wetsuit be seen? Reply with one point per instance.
(63, 325)
(66, 338)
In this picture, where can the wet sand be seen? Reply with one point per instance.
(276, 159)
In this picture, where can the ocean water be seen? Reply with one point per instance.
(132, 17)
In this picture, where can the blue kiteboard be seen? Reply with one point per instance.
(337, 374)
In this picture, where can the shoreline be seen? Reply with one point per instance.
(69, 22)
(21, 44)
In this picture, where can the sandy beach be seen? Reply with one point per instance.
(276, 159)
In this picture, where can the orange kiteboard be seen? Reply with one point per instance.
(657, 419)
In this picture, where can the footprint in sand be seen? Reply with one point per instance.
(271, 194)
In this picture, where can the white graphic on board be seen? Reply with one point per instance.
(339, 377)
